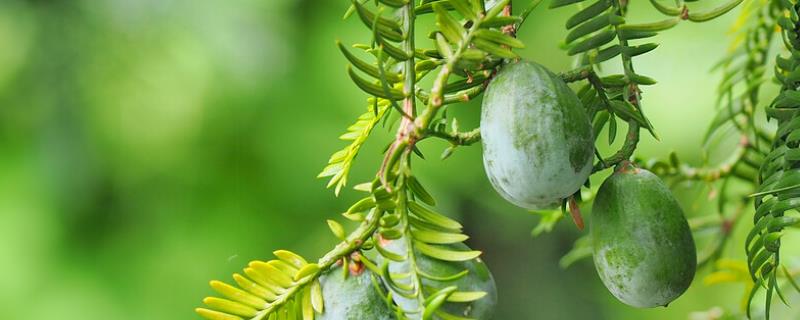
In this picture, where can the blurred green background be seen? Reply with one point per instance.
(149, 146)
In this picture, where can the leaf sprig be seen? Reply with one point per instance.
(284, 288)
(777, 197)
(341, 161)
(599, 32)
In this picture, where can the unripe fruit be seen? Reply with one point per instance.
(351, 298)
(643, 247)
(537, 138)
(478, 278)
(489, 4)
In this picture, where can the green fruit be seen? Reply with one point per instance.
(351, 298)
(643, 247)
(489, 4)
(537, 138)
(478, 278)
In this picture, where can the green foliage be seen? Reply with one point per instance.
(284, 288)
(341, 161)
(777, 197)
(469, 43)
(398, 224)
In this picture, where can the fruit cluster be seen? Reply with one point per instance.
(537, 152)
(405, 260)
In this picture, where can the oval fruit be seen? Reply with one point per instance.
(477, 279)
(351, 298)
(537, 138)
(642, 244)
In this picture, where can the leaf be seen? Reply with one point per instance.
(651, 27)
(267, 291)
(444, 253)
(390, 234)
(388, 254)
(374, 89)
(427, 6)
(627, 111)
(638, 50)
(641, 80)
(337, 229)
(593, 42)
(714, 13)
(341, 161)
(465, 9)
(443, 278)
(466, 296)
(438, 237)
(435, 218)
(237, 294)
(362, 205)
(307, 270)
(612, 128)
(499, 38)
(290, 258)
(449, 27)
(366, 67)
(589, 27)
(587, 13)
(628, 34)
(387, 28)
(493, 48)
(420, 192)
(215, 315)
(308, 309)
(500, 21)
(389, 220)
(394, 52)
(435, 301)
(270, 275)
(443, 47)
(316, 297)
(606, 54)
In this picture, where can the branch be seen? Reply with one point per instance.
(633, 96)
(457, 138)
(625, 152)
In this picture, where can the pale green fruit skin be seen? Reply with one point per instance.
(478, 278)
(642, 244)
(537, 139)
(354, 298)
(489, 4)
